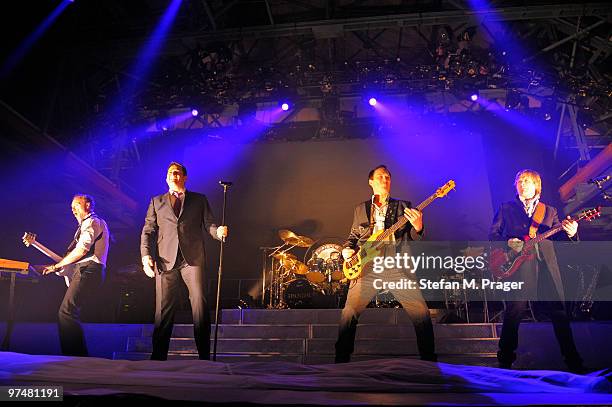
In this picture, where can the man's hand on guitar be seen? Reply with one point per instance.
(570, 226)
(516, 244)
(49, 269)
(147, 265)
(347, 253)
(415, 217)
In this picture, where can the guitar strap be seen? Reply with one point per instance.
(536, 219)
(77, 234)
(391, 216)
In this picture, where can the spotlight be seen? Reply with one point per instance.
(285, 106)
(195, 112)
(372, 101)
(474, 97)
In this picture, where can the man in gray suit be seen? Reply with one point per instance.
(172, 241)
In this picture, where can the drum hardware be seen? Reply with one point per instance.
(284, 269)
(455, 301)
(583, 310)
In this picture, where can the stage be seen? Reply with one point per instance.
(286, 357)
(274, 162)
(307, 336)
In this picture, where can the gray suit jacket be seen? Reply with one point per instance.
(163, 233)
(361, 229)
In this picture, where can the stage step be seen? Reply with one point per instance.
(330, 331)
(380, 335)
(242, 345)
(323, 346)
(382, 316)
(405, 347)
(476, 359)
(221, 357)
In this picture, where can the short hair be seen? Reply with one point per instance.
(179, 165)
(531, 174)
(384, 167)
(87, 199)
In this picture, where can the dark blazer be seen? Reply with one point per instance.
(511, 221)
(361, 229)
(163, 233)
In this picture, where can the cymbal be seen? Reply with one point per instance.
(300, 241)
(299, 268)
(285, 234)
(284, 256)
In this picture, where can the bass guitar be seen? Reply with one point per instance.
(353, 266)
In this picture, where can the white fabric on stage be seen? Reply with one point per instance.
(391, 380)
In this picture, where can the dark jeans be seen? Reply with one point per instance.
(513, 314)
(539, 277)
(166, 302)
(358, 298)
(87, 279)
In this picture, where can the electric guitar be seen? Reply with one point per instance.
(504, 263)
(353, 266)
(29, 239)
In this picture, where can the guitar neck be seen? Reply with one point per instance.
(547, 234)
(550, 232)
(46, 251)
(402, 221)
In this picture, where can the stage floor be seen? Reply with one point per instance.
(374, 382)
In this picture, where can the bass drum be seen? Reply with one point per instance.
(299, 293)
(325, 264)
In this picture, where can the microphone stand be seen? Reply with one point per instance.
(225, 186)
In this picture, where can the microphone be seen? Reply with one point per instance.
(225, 183)
(600, 181)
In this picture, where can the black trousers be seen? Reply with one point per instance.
(87, 279)
(360, 294)
(537, 273)
(166, 303)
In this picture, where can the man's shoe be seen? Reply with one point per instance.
(342, 359)
(505, 359)
(578, 369)
(430, 358)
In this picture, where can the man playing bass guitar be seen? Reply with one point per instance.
(379, 213)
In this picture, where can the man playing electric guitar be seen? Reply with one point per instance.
(88, 251)
(378, 213)
(526, 217)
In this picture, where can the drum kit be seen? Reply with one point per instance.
(296, 284)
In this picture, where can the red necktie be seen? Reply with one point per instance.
(176, 203)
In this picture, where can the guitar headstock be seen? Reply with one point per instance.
(28, 238)
(445, 189)
(590, 214)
